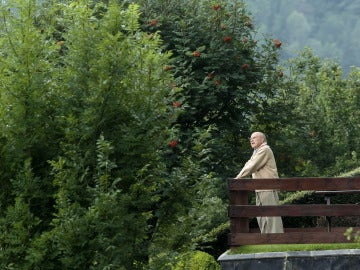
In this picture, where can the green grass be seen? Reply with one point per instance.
(246, 249)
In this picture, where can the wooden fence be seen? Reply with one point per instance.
(240, 211)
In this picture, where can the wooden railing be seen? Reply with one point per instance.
(240, 211)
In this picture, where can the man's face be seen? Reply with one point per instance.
(256, 140)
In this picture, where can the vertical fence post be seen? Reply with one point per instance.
(239, 224)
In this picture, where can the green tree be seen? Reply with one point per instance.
(224, 73)
(325, 105)
(72, 73)
(122, 122)
(28, 102)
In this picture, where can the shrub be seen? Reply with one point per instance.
(197, 260)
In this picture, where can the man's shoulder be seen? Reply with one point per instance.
(264, 148)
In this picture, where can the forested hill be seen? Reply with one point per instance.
(330, 27)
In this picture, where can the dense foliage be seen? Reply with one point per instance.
(321, 138)
(84, 117)
(225, 76)
(120, 123)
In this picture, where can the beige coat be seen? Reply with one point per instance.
(262, 165)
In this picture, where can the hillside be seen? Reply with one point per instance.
(330, 28)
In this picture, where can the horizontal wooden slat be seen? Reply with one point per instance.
(336, 192)
(310, 229)
(287, 238)
(239, 211)
(296, 184)
(294, 210)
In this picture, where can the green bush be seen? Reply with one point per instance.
(197, 260)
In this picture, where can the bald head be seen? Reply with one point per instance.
(257, 138)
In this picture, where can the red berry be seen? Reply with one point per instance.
(216, 7)
(277, 43)
(196, 53)
(173, 143)
(153, 22)
(245, 66)
(176, 104)
(227, 39)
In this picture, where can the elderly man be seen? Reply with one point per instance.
(262, 165)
